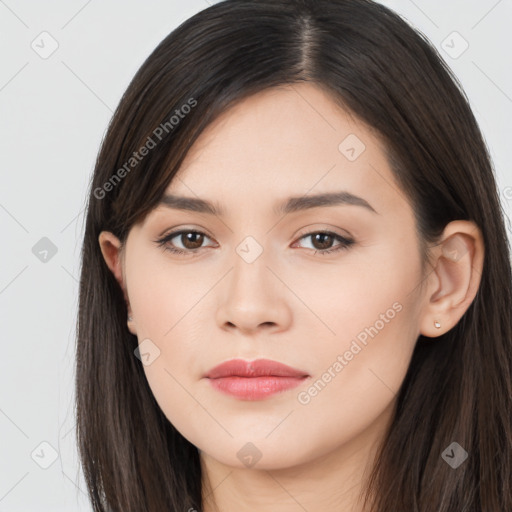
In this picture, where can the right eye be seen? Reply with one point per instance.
(191, 241)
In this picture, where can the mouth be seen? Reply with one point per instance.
(254, 380)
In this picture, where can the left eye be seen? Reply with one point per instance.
(192, 241)
(322, 241)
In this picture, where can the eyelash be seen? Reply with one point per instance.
(345, 243)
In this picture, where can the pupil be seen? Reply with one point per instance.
(189, 237)
(323, 244)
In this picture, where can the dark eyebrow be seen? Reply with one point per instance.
(292, 204)
(192, 204)
(295, 204)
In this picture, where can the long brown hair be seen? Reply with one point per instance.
(458, 387)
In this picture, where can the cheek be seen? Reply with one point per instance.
(166, 303)
(358, 376)
(370, 316)
(163, 294)
(341, 300)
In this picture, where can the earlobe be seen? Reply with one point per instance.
(454, 281)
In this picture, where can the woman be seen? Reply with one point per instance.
(296, 289)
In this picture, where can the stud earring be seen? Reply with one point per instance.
(437, 325)
(130, 319)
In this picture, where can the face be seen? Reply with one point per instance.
(329, 288)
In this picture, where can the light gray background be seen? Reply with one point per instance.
(54, 112)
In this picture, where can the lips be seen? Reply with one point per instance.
(257, 368)
(254, 380)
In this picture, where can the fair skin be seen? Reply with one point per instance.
(289, 304)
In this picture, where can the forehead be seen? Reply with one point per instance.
(284, 141)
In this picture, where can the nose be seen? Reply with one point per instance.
(253, 299)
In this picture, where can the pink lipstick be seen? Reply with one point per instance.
(254, 380)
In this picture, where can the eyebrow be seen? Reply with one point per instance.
(291, 205)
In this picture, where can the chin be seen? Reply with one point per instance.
(258, 455)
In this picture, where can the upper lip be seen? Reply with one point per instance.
(257, 368)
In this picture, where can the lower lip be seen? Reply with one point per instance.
(255, 388)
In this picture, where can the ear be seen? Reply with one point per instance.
(453, 282)
(112, 251)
